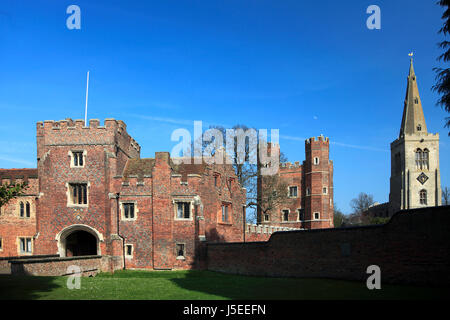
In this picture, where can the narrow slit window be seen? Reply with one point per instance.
(285, 215)
(22, 209)
(225, 212)
(28, 210)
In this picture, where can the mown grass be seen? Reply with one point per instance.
(201, 285)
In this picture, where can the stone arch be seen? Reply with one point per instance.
(84, 232)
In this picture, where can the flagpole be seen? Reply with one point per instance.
(87, 91)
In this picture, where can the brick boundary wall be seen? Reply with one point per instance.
(90, 265)
(5, 265)
(412, 248)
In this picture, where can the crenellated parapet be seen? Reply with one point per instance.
(319, 139)
(75, 132)
(284, 166)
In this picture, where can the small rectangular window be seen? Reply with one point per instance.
(183, 210)
(128, 210)
(216, 179)
(79, 193)
(316, 160)
(316, 215)
(77, 158)
(225, 212)
(285, 215)
(180, 250)
(324, 190)
(22, 209)
(129, 250)
(301, 214)
(28, 209)
(293, 192)
(25, 245)
(1, 244)
(266, 217)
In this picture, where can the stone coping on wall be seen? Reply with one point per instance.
(30, 257)
(374, 226)
(54, 259)
(412, 248)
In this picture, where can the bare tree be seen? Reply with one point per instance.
(273, 194)
(445, 196)
(360, 205)
(244, 156)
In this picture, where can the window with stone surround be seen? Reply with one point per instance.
(266, 217)
(316, 215)
(422, 159)
(22, 209)
(179, 250)
(25, 245)
(128, 210)
(78, 193)
(285, 215)
(129, 251)
(216, 176)
(183, 210)
(316, 161)
(226, 212)
(301, 214)
(325, 190)
(423, 196)
(77, 158)
(293, 192)
(27, 210)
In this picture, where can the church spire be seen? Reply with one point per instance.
(413, 120)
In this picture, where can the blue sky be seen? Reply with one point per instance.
(304, 67)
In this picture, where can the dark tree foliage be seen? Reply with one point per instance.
(442, 86)
(339, 217)
(10, 191)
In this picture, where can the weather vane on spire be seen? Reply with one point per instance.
(411, 54)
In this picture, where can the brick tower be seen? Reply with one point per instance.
(76, 202)
(309, 188)
(318, 184)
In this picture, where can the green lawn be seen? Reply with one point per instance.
(178, 285)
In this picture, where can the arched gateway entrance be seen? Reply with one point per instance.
(81, 243)
(79, 240)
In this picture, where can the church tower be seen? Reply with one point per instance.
(415, 175)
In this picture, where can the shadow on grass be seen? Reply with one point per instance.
(25, 287)
(238, 287)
